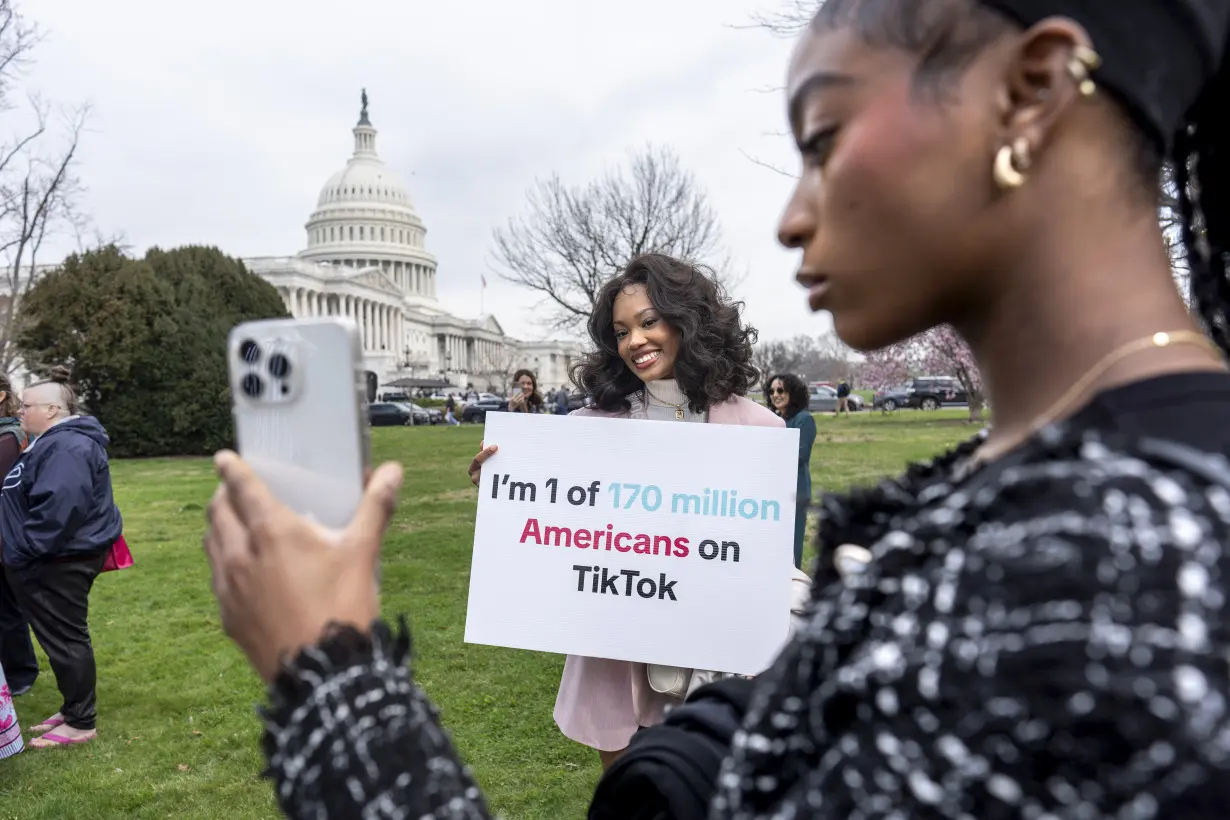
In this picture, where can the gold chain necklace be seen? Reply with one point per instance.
(653, 398)
(1076, 392)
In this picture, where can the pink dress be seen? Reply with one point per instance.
(601, 703)
(10, 729)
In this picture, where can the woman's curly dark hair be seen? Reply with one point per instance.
(534, 400)
(795, 389)
(715, 347)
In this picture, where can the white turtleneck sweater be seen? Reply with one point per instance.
(661, 397)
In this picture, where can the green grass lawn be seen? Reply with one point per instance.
(178, 735)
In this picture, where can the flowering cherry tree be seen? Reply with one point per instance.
(939, 351)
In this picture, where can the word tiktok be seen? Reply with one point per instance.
(606, 582)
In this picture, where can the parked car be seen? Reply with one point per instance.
(434, 414)
(891, 398)
(476, 412)
(387, 414)
(934, 392)
(823, 399)
(418, 415)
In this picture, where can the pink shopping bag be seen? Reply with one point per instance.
(118, 557)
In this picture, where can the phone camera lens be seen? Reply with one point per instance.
(279, 366)
(249, 351)
(252, 386)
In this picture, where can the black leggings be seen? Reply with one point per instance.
(55, 598)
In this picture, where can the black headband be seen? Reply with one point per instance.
(1157, 55)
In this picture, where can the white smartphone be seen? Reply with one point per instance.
(300, 412)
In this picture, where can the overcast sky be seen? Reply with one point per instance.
(218, 123)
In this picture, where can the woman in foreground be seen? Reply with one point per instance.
(1032, 625)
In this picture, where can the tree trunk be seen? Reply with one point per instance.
(976, 405)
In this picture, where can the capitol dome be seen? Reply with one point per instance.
(364, 179)
(364, 218)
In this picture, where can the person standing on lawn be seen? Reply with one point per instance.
(787, 397)
(449, 407)
(843, 398)
(10, 730)
(58, 520)
(16, 648)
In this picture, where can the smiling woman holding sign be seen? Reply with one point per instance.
(669, 345)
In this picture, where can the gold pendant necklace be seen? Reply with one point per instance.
(678, 407)
(1076, 392)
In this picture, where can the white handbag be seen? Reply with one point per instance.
(668, 680)
(679, 683)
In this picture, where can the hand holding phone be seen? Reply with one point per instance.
(300, 418)
(307, 578)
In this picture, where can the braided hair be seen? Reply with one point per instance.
(1202, 177)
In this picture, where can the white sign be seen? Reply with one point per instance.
(646, 541)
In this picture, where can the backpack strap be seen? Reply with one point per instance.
(22, 440)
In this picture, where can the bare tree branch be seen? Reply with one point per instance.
(18, 38)
(497, 369)
(789, 19)
(768, 165)
(571, 240)
(39, 191)
(36, 199)
(820, 358)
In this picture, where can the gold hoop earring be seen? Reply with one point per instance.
(1011, 163)
(1083, 62)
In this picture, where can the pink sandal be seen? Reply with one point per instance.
(51, 741)
(48, 724)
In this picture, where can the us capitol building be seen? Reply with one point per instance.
(366, 259)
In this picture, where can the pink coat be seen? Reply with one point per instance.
(601, 702)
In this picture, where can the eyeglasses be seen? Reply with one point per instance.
(778, 391)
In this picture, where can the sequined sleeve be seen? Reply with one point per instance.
(1052, 645)
(348, 734)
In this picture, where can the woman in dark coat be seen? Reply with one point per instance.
(786, 395)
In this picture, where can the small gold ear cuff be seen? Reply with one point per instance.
(1083, 62)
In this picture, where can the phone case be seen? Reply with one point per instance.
(300, 412)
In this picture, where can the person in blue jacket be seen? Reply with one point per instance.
(58, 520)
(16, 648)
(786, 395)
